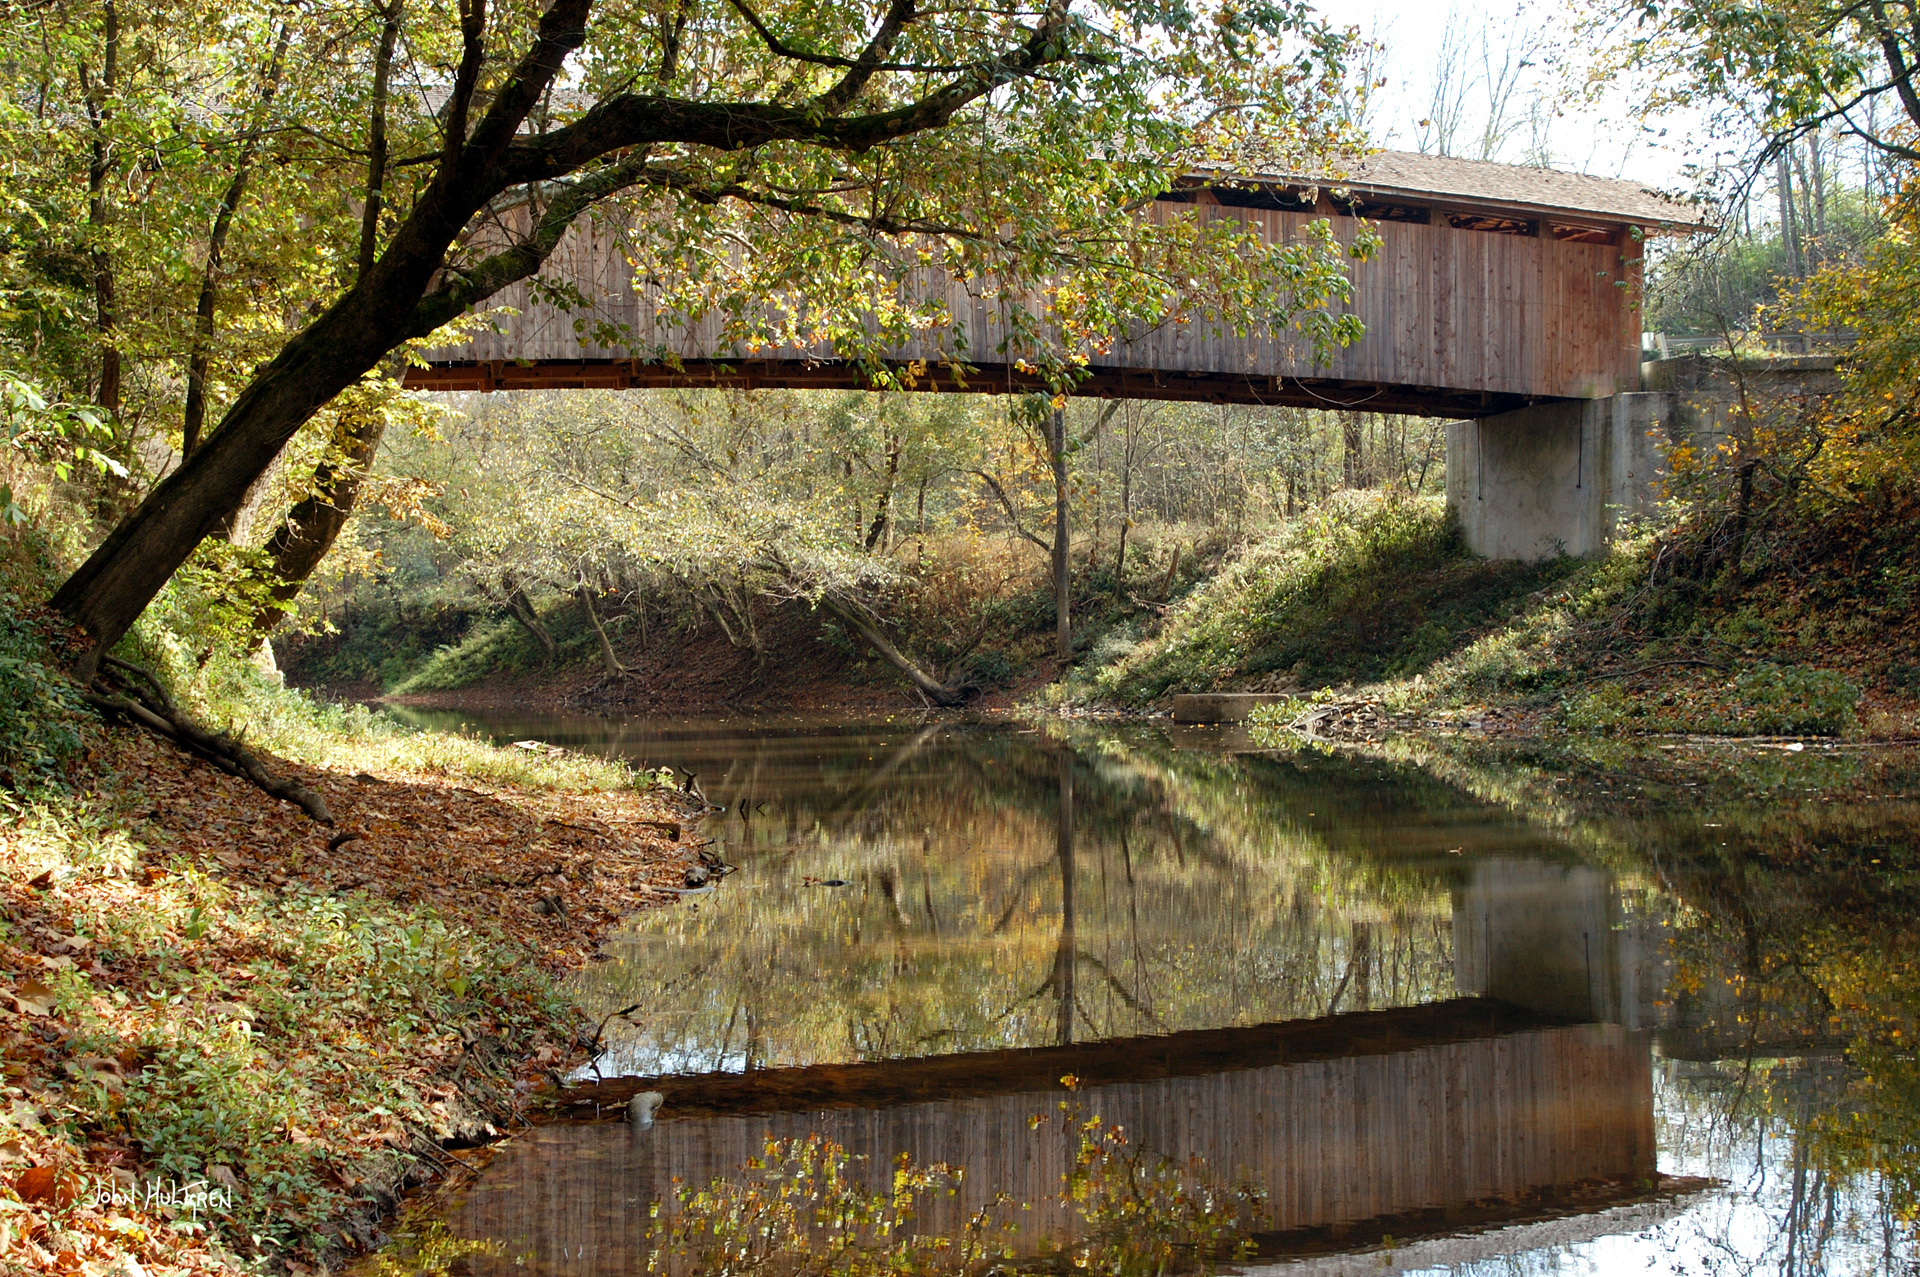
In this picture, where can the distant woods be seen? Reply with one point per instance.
(1817, 202)
(917, 528)
(1815, 113)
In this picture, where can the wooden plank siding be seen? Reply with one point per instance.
(1333, 1142)
(1459, 323)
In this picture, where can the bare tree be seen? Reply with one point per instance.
(1480, 93)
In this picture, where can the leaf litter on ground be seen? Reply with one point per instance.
(200, 985)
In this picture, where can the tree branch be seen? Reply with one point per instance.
(1896, 61)
(640, 120)
(671, 35)
(849, 615)
(473, 52)
(563, 28)
(785, 50)
(666, 178)
(836, 99)
(1012, 516)
(377, 134)
(460, 289)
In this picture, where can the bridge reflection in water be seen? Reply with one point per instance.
(1461, 1111)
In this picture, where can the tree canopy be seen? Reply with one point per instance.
(239, 213)
(1791, 67)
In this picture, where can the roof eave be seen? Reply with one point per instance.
(1621, 217)
(1680, 224)
(1675, 225)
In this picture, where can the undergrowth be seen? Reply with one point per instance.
(226, 1036)
(1767, 700)
(347, 738)
(167, 1026)
(403, 651)
(377, 645)
(488, 649)
(1811, 628)
(45, 728)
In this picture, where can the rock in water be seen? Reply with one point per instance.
(642, 1107)
(697, 876)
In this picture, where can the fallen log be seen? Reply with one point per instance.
(150, 707)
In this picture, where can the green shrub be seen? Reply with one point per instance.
(44, 725)
(988, 668)
(1766, 700)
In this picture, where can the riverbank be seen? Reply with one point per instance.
(696, 675)
(1374, 621)
(700, 673)
(233, 1035)
(1368, 614)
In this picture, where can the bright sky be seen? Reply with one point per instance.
(1603, 141)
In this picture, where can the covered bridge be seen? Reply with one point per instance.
(1496, 287)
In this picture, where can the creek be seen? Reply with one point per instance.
(1417, 1013)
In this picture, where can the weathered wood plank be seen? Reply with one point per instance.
(1334, 1141)
(1452, 313)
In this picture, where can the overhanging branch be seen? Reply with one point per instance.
(644, 120)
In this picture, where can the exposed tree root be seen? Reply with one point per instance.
(143, 701)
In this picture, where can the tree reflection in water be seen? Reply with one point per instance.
(1022, 888)
(1014, 892)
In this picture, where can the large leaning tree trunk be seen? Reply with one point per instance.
(851, 616)
(313, 524)
(409, 292)
(520, 607)
(384, 307)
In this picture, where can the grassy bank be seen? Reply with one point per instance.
(201, 987)
(1614, 647)
(1373, 607)
(1362, 589)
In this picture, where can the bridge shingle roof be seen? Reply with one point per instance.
(1516, 187)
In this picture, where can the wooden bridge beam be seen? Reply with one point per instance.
(1101, 383)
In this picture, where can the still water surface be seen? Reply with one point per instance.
(1397, 1007)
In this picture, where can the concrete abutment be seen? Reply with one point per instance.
(1557, 478)
(1560, 478)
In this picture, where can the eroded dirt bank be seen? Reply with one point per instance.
(703, 674)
